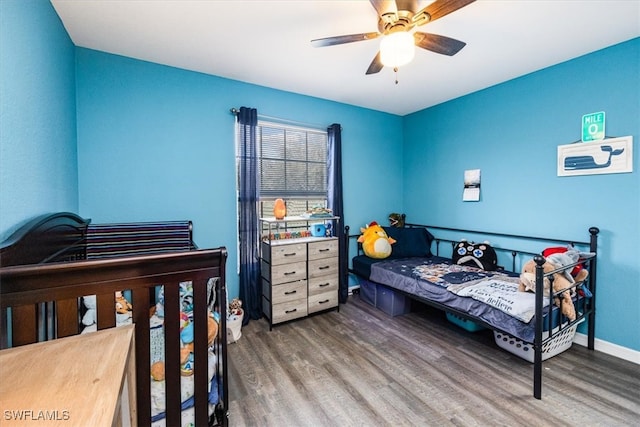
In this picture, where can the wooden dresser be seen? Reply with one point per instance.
(83, 380)
(299, 274)
(322, 273)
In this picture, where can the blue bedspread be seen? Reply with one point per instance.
(429, 278)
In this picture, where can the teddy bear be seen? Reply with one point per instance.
(375, 241)
(527, 282)
(123, 308)
(235, 307)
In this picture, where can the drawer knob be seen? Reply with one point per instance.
(324, 250)
(322, 285)
(291, 311)
(290, 254)
(324, 267)
(323, 302)
(289, 273)
(290, 292)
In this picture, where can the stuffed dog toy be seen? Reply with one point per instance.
(560, 282)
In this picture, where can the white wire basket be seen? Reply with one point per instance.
(555, 346)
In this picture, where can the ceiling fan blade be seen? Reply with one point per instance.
(438, 44)
(330, 41)
(375, 66)
(438, 9)
(387, 10)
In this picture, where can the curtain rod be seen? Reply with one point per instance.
(236, 111)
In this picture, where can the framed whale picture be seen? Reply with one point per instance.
(613, 155)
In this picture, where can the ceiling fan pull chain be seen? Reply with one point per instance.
(395, 70)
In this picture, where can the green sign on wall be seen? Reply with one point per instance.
(593, 127)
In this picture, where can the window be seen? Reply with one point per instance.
(292, 165)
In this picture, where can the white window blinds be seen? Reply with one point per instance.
(292, 162)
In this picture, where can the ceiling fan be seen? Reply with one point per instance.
(396, 19)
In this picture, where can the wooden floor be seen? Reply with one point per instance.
(360, 367)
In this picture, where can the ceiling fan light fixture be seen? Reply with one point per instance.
(397, 49)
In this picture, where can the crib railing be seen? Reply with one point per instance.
(139, 238)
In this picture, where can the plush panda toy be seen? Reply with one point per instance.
(480, 255)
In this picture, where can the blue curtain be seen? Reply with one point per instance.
(335, 203)
(250, 289)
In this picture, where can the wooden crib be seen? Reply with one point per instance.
(44, 273)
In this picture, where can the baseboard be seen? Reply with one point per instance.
(609, 348)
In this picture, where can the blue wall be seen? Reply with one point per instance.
(511, 132)
(156, 142)
(37, 114)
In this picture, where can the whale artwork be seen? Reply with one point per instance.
(588, 162)
(612, 155)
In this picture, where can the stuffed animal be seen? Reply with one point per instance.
(123, 308)
(565, 255)
(89, 317)
(396, 220)
(528, 283)
(157, 371)
(186, 346)
(186, 338)
(122, 305)
(235, 307)
(375, 242)
(480, 255)
(186, 360)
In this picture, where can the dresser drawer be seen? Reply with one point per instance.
(288, 292)
(323, 267)
(323, 249)
(319, 285)
(289, 310)
(276, 254)
(323, 301)
(277, 274)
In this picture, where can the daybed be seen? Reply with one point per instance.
(529, 325)
(45, 274)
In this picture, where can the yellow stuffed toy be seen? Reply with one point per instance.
(375, 242)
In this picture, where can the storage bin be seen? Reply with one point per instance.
(368, 292)
(557, 345)
(234, 327)
(392, 302)
(466, 324)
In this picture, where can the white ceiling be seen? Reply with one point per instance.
(268, 43)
